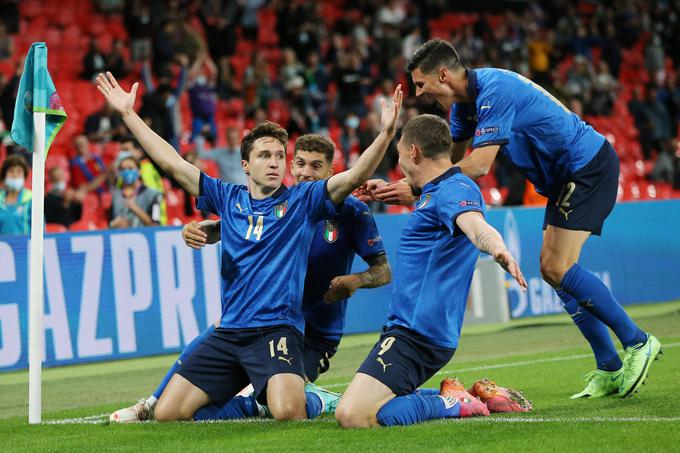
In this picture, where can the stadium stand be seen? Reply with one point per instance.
(597, 57)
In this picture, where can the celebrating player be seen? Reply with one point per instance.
(568, 162)
(266, 232)
(328, 283)
(436, 259)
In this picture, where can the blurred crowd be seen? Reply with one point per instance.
(212, 69)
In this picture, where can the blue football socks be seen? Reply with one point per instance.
(593, 295)
(595, 331)
(235, 408)
(416, 408)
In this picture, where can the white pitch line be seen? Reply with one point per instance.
(96, 419)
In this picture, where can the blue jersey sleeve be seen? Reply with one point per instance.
(212, 194)
(495, 114)
(315, 196)
(457, 198)
(462, 121)
(366, 239)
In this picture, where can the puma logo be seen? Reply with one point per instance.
(287, 360)
(384, 365)
(566, 213)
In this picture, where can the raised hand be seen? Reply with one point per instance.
(390, 111)
(116, 97)
(507, 262)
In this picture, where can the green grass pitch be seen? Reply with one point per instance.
(546, 358)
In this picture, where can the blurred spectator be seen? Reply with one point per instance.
(290, 67)
(651, 119)
(203, 97)
(133, 204)
(669, 94)
(385, 94)
(349, 139)
(411, 42)
(654, 59)
(94, 61)
(160, 105)
(15, 199)
(539, 57)
(219, 18)
(63, 205)
(392, 12)
(149, 174)
(579, 81)
(351, 79)
(6, 43)
(249, 17)
(303, 117)
(8, 95)
(388, 50)
(228, 158)
(104, 125)
(315, 75)
(138, 24)
(605, 89)
(88, 172)
(116, 62)
(227, 87)
(258, 84)
(665, 164)
(611, 49)
(165, 44)
(9, 15)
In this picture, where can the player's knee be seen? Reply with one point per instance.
(349, 418)
(162, 413)
(553, 270)
(289, 410)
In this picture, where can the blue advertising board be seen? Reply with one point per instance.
(128, 293)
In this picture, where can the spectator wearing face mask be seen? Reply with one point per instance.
(134, 205)
(15, 199)
(63, 205)
(203, 98)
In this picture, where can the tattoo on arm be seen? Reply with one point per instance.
(488, 241)
(378, 274)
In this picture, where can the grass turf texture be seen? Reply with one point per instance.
(546, 358)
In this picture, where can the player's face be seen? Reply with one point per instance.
(407, 166)
(434, 86)
(310, 166)
(266, 165)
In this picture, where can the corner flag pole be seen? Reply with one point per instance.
(35, 286)
(38, 117)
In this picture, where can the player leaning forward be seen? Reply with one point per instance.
(266, 232)
(568, 162)
(436, 259)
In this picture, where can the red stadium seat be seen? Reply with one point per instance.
(55, 228)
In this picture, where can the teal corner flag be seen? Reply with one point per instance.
(36, 94)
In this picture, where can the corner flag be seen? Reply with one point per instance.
(36, 94)
(38, 116)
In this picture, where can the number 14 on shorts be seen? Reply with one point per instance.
(281, 346)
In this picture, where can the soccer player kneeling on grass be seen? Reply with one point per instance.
(266, 231)
(437, 254)
(328, 285)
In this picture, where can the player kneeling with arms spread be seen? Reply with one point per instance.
(266, 232)
(328, 285)
(437, 254)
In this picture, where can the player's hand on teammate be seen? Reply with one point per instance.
(507, 262)
(119, 100)
(194, 236)
(390, 111)
(395, 192)
(365, 191)
(342, 287)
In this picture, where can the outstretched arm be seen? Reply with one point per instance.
(160, 151)
(196, 234)
(488, 240)
(342, 184)
(344, 286)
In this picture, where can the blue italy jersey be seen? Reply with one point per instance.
(265, 246)
(436, 261)
(538, 134)
(336, 239)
